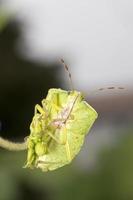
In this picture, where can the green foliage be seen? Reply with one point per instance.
(4, 19)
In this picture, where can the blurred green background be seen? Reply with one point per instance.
(108, 174)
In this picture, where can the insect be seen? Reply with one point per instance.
(58, 128)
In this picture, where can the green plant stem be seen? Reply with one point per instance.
(12, 146)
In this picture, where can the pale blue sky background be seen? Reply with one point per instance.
(95, 37)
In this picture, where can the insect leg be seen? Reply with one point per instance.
(39, 108)
(67, 146)
(52, 135)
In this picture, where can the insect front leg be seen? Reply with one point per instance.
(39, 109)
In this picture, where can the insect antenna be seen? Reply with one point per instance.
(111, 88)
(69, 74)
(108, 88)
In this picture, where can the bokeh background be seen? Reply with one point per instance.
(95, 39)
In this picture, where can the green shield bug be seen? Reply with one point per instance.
(58, 128)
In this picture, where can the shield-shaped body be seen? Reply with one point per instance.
(58, 129)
